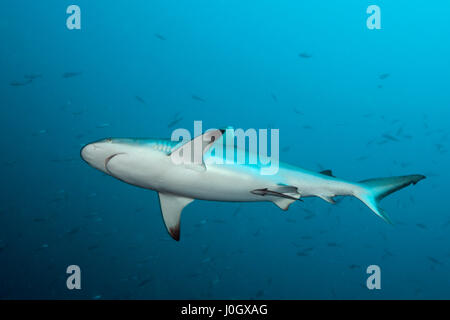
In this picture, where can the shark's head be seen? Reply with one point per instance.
(114, 156)
(99, 153)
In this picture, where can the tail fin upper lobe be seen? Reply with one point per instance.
(373, 190)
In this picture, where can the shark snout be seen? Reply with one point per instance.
(96, 153)
(88, 152)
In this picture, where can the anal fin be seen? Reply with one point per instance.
(327, 198)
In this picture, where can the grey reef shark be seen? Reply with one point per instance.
(150, 164)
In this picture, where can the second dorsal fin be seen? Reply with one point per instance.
(327, 173)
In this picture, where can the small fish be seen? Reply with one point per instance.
(309, 217)
(333, 293)
(332, 244)
(435, 261)
(103, 125)
(40, 132)
(383, 76)
(160, 37)
(298, 111)
(206, 260)
(389, 137)
(257, 233)
(73, 231)
(304, 55)
(66, 75)
(32, 76)
(194, 97)
(91, 215)
(9, 163)
(19, 83)
(274, 97)
(194, 275)
(175, 121)
(422, 226)
(307, 210)
(140, 100)
(302, 254)
(202, 222)
(236, 211)
(143, 283)
(361, 158)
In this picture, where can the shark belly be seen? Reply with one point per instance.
(218, 183)
(225, 183)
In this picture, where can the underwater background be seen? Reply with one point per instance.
(364, 103)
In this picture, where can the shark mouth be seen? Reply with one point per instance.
(107, 160)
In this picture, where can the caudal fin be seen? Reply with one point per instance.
(373, 190)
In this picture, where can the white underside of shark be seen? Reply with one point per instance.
(147, 163)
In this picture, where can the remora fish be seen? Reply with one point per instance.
(148, 163)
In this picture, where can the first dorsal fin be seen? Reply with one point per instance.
(171, 207)
(327, 173)
(191, 153)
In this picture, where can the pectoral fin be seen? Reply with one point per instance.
(171, 207)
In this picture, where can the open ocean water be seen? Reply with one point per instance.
(364, 103)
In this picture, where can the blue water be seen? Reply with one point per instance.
(364, 103)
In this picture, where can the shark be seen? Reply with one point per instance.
(149, 163)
